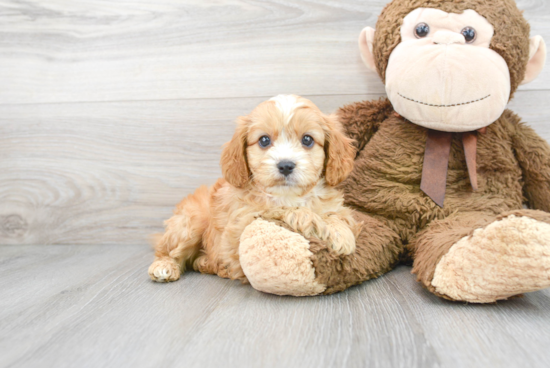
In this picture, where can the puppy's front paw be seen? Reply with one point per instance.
(276, 214)
(341, 237)
(306, 222)
(164, 270)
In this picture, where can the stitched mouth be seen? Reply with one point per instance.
(453, 105)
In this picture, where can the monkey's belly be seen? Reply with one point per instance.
(386, 179)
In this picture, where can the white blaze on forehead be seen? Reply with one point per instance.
(287, 104)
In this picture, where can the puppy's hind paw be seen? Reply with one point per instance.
(164, 270)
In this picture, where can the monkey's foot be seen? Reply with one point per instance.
(508, 257)
(277, 261)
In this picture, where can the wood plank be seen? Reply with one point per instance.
(93, 173)
(94, 306)
(97, 50)
(110, 173)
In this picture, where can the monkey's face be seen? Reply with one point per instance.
(443, 75)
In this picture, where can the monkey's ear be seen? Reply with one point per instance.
(233, 160)
(537, 59)
(366, 42)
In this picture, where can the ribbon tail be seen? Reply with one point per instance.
(469, 141)
(436, 164)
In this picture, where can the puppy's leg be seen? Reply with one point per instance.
(181, 242)
(300, 219)
(337, 228)
(221, 255)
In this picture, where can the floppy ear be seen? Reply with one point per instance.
(233, 161)
(340, 153)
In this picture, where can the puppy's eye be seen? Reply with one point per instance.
(308, 141)
(264, 141)
(421, 30)
(469, 34)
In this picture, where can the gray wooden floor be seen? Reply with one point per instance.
(94, 306)
(111, 111)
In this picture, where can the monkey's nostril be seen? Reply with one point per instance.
(286, 167)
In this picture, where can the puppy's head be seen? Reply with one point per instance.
(286, 143)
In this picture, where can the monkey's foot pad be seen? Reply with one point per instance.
(506, 258)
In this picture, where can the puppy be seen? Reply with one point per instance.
(282, 165)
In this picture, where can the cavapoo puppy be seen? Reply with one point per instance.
(282, 165)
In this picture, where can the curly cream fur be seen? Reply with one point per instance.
(206, 228)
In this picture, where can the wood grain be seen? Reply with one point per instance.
(110, 173)
(94, 306)
(111, 112)
(99, 50)
(107, 173)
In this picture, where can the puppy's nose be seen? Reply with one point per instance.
(286, 167)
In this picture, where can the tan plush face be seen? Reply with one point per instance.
(436, 77)
(443, 75)
(286, 139)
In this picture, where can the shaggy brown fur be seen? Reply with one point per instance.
(401, 221)
(511, 39)
(377, 251)
(387, 174)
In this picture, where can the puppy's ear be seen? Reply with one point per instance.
(233, 161)
(340, 153)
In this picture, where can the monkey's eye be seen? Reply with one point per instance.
(469, 34)
(421, 30)
(264, 141)
(308, 141)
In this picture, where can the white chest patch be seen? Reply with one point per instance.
(287, 196)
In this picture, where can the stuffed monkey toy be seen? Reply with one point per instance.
(445, 178)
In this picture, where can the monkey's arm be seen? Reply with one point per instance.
(361, 120)
(533, 154)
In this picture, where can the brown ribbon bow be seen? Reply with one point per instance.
(436, 162)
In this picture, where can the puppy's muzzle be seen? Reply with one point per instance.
(286, 167)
